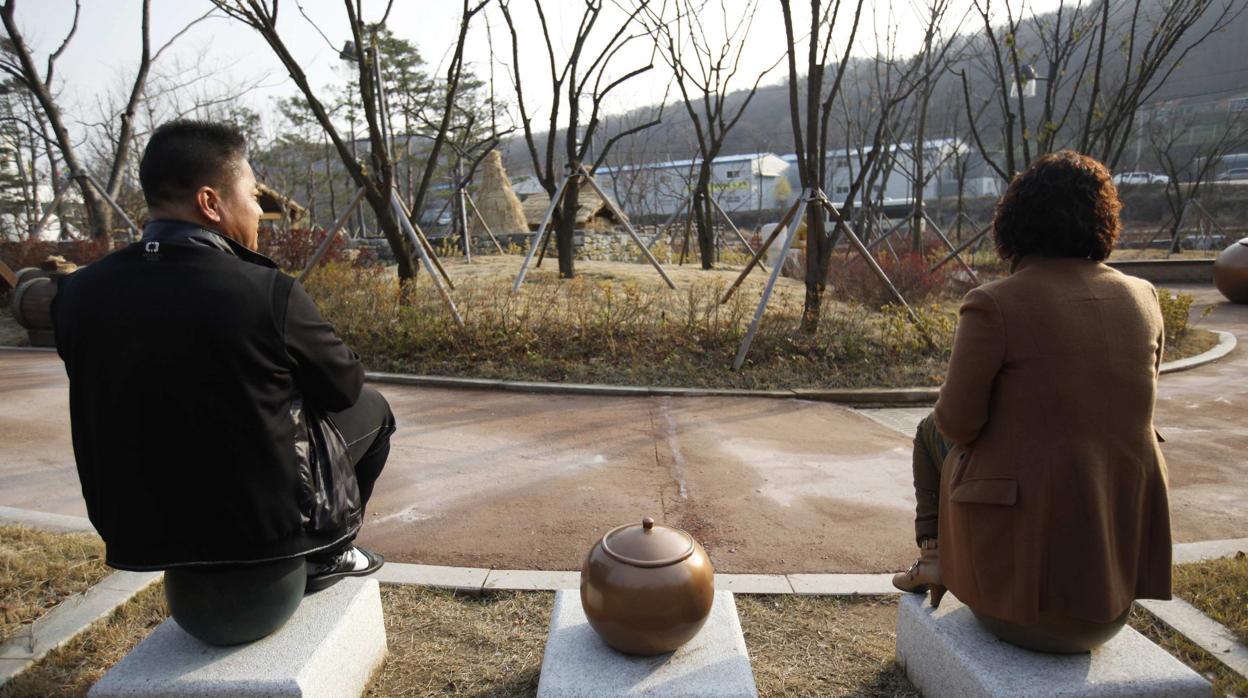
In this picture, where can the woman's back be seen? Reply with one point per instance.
(1056, 500)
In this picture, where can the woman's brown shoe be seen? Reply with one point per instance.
(924, 574)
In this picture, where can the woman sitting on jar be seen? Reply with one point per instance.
(1051, 505)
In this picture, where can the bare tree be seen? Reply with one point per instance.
(1150, 54)
(893, 81)
(584, 79)
(1098, 67)
(933, 60)
(377, 176)
(1191, 167)
(18, 61)
(810, 139)
(704, 68)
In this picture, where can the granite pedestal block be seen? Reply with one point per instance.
(329, 647)
(578, 664)
(946, 652)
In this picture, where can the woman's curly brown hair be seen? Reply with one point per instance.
(1064, 205)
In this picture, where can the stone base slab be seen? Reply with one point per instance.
(578, 664)
(946, 652)
(330, 647)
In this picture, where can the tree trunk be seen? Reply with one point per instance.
(566, 226)
(702, 215)
(405, 251)
(818, 256)
(705, 220)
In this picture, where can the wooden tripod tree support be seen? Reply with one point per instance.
(419, 235)
(543, 231)
(420, 240)
(793, 219)
(47, 214)
(423, 248)
(333, 232)
(973, 240)
(665, 225)
(464, 200)
(954, 252)
(1208, 217)
(484, 226)
(684, 247)
(1178, 229)
(135, 233)
(426, 256)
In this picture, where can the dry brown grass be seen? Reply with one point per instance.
(1192, 342)
(823, 646)
(1219, 588)
(448, 644)
(71, 670)
(1225, 682)
(39, 569)
(617, 324)
(614, 324)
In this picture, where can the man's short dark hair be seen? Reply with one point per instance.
(184, 155)
(1064, 205)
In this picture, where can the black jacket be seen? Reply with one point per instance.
(184, 354)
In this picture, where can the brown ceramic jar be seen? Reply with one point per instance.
(1230, 272)
(647, 588)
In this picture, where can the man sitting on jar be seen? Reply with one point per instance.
(203, 383)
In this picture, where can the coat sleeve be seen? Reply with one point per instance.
(978, 354)
(328, 373)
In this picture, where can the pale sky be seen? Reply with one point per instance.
(104, 52)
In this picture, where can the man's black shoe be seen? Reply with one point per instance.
(345, 564)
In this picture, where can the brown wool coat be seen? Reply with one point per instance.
(1055, 500)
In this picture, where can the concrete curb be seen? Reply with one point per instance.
(1226, 344)
(45, 521)
(863, 397)
(1208, 550)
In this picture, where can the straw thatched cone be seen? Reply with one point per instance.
(497, 202)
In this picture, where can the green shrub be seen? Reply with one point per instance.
(1175, 311)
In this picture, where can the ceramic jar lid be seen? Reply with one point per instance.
(647, 544)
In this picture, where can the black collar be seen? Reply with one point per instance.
(175, 231)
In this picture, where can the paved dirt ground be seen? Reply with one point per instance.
(529, 481)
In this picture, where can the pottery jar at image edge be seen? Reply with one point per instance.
(1230, 272)
(647, 589)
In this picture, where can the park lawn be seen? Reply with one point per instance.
(38, 570)
(617, 324)
(1219, 588)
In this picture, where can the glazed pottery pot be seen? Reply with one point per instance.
(233, 604)
(1230, 272)
(647, 588)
